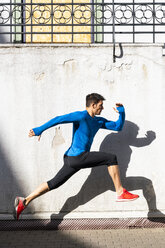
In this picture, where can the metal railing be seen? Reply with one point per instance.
(99, 21)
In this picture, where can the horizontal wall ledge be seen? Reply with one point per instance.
(80, 45)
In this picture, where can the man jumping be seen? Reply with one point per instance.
(78, 156)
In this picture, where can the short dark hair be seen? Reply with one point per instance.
(93, 98)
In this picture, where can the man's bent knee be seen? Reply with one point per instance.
(113, 160)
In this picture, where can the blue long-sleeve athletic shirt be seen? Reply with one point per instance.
(84, 128)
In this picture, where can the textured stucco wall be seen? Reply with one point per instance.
(40, 82)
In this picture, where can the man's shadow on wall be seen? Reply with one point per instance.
(99, 180)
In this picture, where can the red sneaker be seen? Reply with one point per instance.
(126, 196)
(19, 206)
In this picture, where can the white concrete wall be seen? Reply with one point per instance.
(39, 82)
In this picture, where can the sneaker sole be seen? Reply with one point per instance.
(14, 210)
(126, 200)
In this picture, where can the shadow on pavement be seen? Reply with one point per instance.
(56, 239)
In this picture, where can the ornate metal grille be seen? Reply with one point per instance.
(80, 21)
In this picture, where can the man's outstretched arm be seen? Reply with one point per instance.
(116, 125)
(68, 118)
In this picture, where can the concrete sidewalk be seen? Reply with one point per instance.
(121, 238)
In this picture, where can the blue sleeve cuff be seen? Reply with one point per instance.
(121, 109)
(37, 131)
